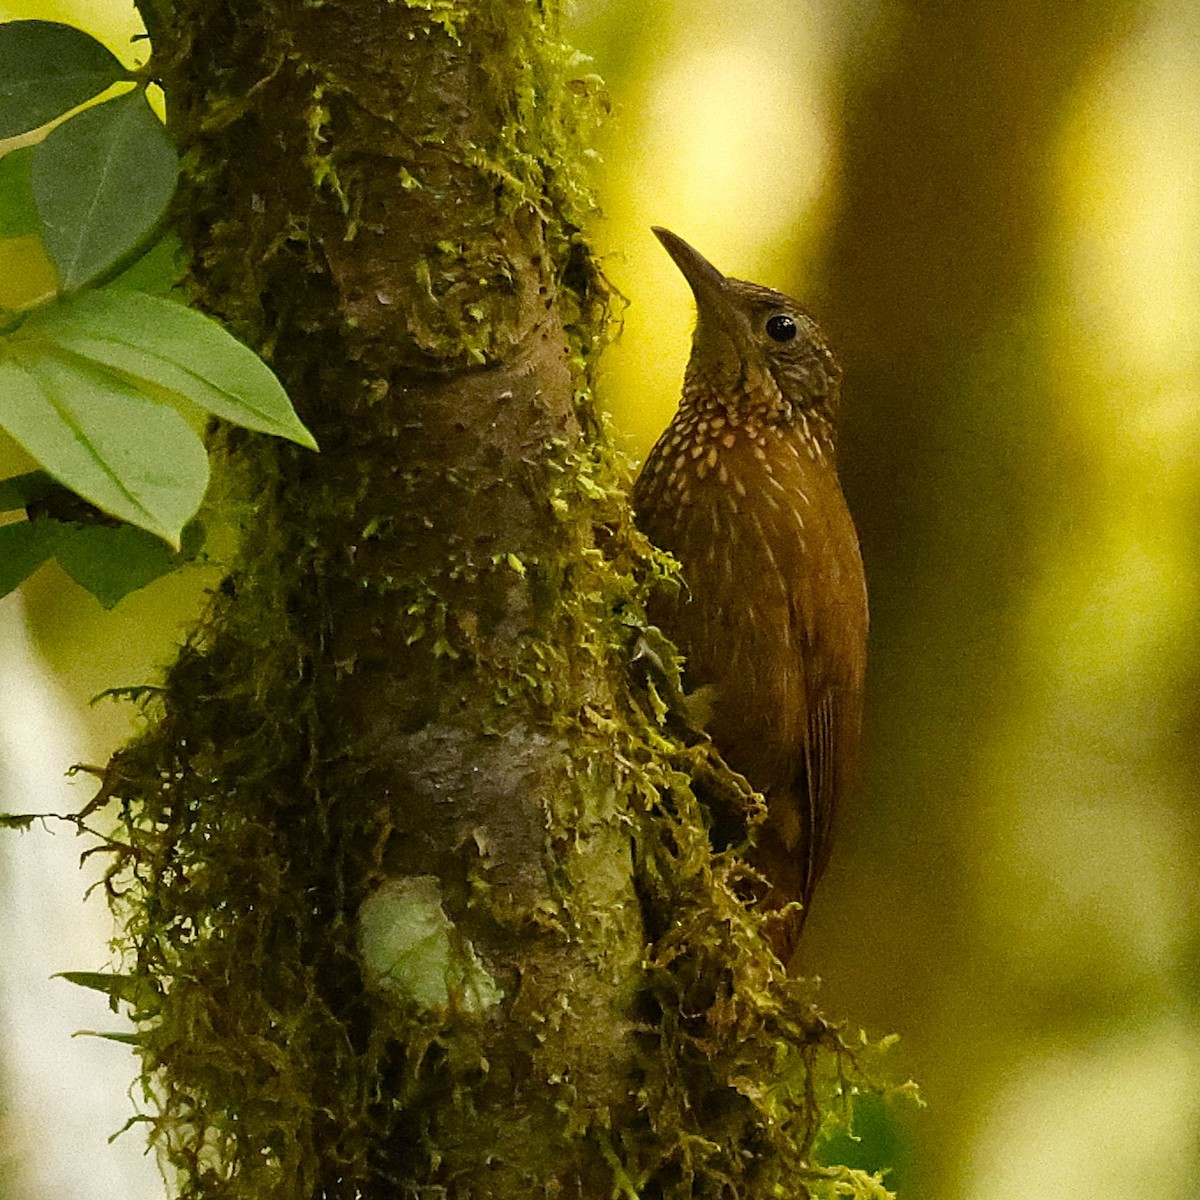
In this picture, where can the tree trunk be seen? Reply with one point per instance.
(400, 834)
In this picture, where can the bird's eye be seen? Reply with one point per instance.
(781, 327)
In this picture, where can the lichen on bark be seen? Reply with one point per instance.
(410, 700)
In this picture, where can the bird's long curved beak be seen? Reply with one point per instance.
(723, 338)
(707, 283)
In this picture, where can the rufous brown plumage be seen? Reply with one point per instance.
(742, 488)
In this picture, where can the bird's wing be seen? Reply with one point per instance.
(820, 783)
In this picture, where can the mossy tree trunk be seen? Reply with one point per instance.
(415, 899)
(398, 681)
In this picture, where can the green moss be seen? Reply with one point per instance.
(443, 14)
(318, 158)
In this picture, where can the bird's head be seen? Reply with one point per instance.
(756, 351)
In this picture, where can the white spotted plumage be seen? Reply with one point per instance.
(772, 617)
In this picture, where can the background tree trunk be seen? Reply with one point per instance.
(957, 458)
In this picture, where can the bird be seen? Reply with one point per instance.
(742, 489)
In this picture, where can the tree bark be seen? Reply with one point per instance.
(399, 680)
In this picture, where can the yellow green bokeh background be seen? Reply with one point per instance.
(995, 211)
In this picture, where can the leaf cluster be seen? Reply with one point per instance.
(104, 385)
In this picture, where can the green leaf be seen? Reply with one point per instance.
(134, 990)
(149, 340)
(134, 693)
(129, 456)
(409, 948)
(102, 182)
(157, 271)
(47, 69)
(126, 1039)
(110, 561)
(22, 490)
(18, 213)
(24, 546)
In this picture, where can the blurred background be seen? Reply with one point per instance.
(994, 211)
